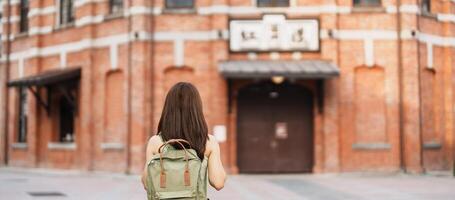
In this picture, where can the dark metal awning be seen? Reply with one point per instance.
(47, 78)
(305, 69)
(59, 78)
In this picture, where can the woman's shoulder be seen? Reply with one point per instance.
(155, 139)
(154, 143)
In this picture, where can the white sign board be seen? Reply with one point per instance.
(274, 33)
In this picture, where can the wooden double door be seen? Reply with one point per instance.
(275, 128)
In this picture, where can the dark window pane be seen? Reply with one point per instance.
(272, 3)
(66, 120)
(23, 21)
(264, 3)
(367, 2)
(179, 3)
(426, 6)
(22, 125)
(282, 3)
(66, 11)
(115, 6)
(70, 11)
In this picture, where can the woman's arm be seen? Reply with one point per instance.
(217, 175)
(152, 143)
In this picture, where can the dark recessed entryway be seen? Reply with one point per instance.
(275, 128)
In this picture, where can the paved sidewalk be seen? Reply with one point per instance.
(30, 184)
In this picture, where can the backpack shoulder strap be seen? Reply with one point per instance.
(186, 174)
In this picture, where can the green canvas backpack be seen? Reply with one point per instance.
(176, 173)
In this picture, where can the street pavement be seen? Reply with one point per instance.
(41, 184)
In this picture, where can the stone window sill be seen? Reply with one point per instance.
(19, 145)
(368, 9)
(21, 35)
(112, 146)
(112, 16)
(61, 145)
(64, 26)
(429, 15)
(371, 146)
(432, 145)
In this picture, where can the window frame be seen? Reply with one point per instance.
(116, 6)
(68, 20)
(273, 4)
(362, 4)
(23, 16)
(167, 7)
(425, 6)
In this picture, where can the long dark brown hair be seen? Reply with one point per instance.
(183, 118)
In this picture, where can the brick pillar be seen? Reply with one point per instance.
(330, 127)
(411, 108)
(218, 105)
(139, 86)
(330, 145)
(3, 88)
(86, 155)
(2, 115)
(449, 134)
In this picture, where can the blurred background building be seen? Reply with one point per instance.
(287, 85)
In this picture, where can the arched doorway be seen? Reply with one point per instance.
(275, 128)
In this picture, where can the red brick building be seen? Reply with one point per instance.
(287, 85)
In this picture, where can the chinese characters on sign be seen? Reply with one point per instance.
(274, 33)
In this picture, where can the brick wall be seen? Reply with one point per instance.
(129, 61)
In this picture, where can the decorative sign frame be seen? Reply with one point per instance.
(274, 33)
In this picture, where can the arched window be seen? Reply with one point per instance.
(115, 110)
(370, 105)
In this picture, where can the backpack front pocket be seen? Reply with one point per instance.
(176, 194)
